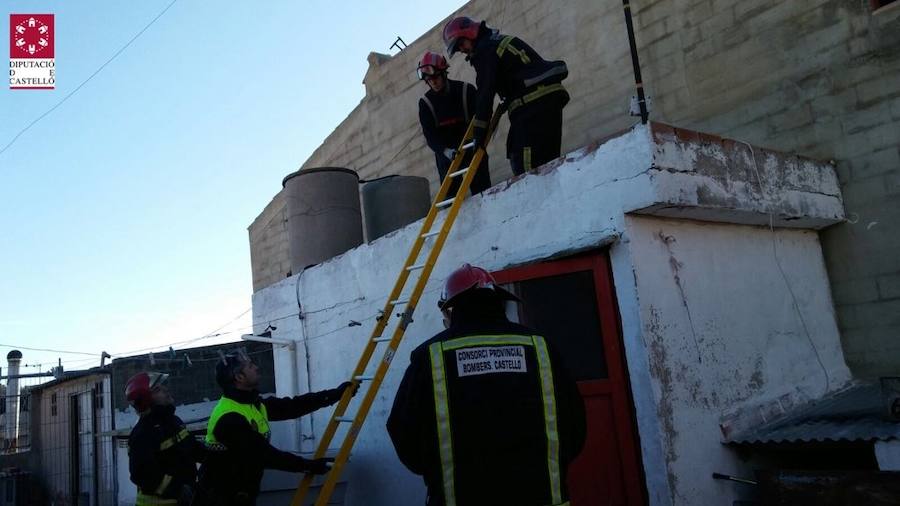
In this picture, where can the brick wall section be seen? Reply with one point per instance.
(270, 256)
(820, 78)
(190, 383)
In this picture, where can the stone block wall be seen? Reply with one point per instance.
(819, 78)
(270, 255)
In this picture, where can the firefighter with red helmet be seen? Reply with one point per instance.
(486, 412)
(162, 454)
(238, 434)
(529, 86)
(444, 113)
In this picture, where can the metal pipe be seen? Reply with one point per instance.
(635, 63)
(720, 476)
(269, 340)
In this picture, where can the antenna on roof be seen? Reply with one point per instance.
(397, 44)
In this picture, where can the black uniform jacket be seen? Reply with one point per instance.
(444, 117)
(232, 476)
(162, 455)
(497, 423)
(508, 67)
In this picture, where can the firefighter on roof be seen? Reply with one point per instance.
(444, 113)
(529, 86)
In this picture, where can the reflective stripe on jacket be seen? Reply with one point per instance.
(483, 355)
(487, 414)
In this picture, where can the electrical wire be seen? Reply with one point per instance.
(764, 189)
(69, 95)
(355, 303)
(65, 352)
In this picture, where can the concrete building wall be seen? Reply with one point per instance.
(744, 324)
(729, 314)
(818, 77)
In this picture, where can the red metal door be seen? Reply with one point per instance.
(573, 303)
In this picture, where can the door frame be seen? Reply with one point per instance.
(617, 386)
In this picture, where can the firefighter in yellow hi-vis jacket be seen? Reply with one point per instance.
(486, 412)
(237, 436)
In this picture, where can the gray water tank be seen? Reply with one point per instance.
(323, 214)
(393, 202)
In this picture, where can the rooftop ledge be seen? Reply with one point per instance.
(681, 173)
(580, 201)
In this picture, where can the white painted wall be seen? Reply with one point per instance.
(721, 330)
(581, 203)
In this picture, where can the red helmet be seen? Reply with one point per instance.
(459, 28)
(431, 64)
(139, 389)
(467, 278)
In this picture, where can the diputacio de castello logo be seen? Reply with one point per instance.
(31, 60)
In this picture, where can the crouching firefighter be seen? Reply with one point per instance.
(444, 113)
(237, 437)
(486, 412)
(162, 454)
(530, 87)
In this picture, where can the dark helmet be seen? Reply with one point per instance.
(459, 28)
(228, 366)
(467, 279)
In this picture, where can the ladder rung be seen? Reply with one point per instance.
(469, 145)
(415, 267)
(399, 301)
(431, 234)
(343, 419)
(381, 339)
(460, 172)
(364, 378)
(445, 203)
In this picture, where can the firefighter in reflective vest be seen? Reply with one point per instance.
(486, 412)
(529, 86)
(237, 436)
(162, 454)
(444, 113)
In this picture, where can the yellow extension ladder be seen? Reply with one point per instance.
(395, 299)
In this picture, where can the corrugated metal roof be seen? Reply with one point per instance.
(857, 413)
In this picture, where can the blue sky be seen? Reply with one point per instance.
(123, 213)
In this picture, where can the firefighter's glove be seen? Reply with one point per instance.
(334, 395)
(354, 387)
(450, 154)
(316, 466)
